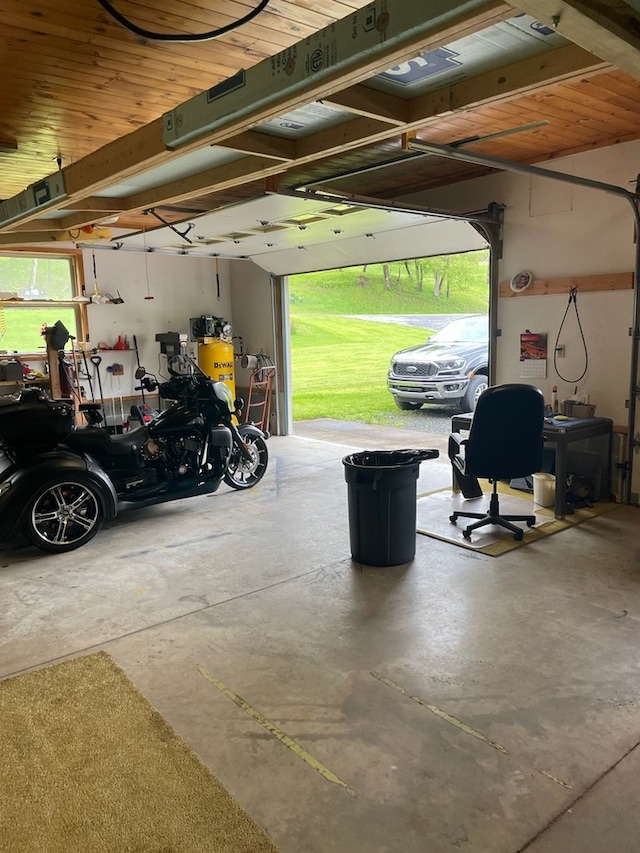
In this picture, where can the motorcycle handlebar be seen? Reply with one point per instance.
(147, 383)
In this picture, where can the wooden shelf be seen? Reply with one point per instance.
(25, 382)
(584, 283)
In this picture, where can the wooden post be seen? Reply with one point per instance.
(53, 361)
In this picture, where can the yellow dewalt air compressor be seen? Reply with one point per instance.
(215, 349)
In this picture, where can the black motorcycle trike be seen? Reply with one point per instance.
(59, 481)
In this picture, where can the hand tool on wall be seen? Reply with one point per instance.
(96, 361)
(87, 375)
(97, 296)
(135, 346)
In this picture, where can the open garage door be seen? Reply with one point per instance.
(290, 233)
(286, 234)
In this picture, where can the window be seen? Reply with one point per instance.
(36, 289)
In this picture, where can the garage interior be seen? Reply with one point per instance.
(259, 171)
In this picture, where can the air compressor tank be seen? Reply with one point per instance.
(215, 358)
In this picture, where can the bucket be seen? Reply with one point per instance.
(544, 489)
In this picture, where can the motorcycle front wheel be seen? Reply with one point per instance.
(63, 515)
(244, 473)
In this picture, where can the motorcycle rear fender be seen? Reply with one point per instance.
(25, 480)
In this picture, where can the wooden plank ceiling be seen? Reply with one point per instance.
(83, 91)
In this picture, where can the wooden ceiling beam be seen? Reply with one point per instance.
(336, 140)
(143, 149)
(508, 82)
(262, 145)
(217, 178)
(607, 28)
(370, 103)
(504, 83)
(93, 204)
(9, 238)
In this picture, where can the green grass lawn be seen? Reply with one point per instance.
(339, 367)
(23, 324)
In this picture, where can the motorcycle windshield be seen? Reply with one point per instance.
(223, 393)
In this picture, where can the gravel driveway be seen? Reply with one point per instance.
(424, 321)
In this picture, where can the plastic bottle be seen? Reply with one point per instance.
(554, 399)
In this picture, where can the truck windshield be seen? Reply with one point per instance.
(467, 329)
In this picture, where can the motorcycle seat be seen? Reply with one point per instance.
(92, 439)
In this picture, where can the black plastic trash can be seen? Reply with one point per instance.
(382, 504)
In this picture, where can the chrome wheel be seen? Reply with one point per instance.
(243, 473)
(64, 515)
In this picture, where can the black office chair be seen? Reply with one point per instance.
(505, 441)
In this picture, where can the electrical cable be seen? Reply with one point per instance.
(186, 37)
(573, 299)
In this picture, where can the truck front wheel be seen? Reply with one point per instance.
(475, 387)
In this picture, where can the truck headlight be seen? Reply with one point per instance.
(451, 364)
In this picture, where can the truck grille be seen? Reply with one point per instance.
(426, 369)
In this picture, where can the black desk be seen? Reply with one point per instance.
(581, 446)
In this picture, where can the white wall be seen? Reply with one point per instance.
(253, 320)
(181, 287)
(558, 230)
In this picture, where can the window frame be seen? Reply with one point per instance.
(78, 289)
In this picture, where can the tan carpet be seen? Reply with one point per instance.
(435, 508)
(89, 766)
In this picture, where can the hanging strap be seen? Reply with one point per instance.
(573, 300)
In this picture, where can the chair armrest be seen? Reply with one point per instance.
(456, 445)
(462, 482)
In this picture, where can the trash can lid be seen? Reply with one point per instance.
(389, 458)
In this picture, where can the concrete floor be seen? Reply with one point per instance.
(459, 702)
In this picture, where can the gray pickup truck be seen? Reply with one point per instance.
(450, 368)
